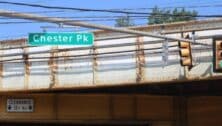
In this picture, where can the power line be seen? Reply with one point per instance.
(107, 17)
(99, 10)
(83, 55)
(114, 45)
(105, 10)
(40, 18)
(91, 54)
(190, 2)
(43, 12)
(90, 20)
(80, 48)
(85, 17)
(30, 22)
(70, 8)
(96, 20)
(173, 7)
(117, 10)
(114, 10)
(132, 17)
(84, 48)
(96, 54)
(102, 10)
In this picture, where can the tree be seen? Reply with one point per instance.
(124, 21)
(159, 16)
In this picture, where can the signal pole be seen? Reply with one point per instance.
(69, 22)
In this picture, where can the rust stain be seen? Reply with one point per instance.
(95, 64)
(13, 42)
(27, 67)
(65, 58)
(140, 59)
(65, 54)
(1, 68)
(53, 67)
(1, 74)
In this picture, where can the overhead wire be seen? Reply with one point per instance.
(70, 8)
(116, 10)
(94, 54)
(114, 45)
(173, 7)
(80, 48)
(82, 55)
(89, 10)
(91, 17)
(99, 10)
(53, 7)
(93, 20)
(85, 48)
(110, 18)
(116, 17)
(139, 17)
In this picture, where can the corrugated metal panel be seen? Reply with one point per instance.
(114, 67)
(89, 108)
(95, 67)
(204, 111)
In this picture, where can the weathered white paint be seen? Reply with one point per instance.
(112, 69)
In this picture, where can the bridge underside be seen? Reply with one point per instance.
(201, 87)
(113, 109)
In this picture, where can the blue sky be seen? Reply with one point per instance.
(20, 30)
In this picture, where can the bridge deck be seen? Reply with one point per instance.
(125, 60)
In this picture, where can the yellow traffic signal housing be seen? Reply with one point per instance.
(217, 54)
(185, 54)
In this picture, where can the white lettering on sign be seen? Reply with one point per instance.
(85, 38)
(20, 105)
(64, 38)
(35, 38)
(79, 38)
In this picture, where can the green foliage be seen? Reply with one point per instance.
(159, 16)
(124, 21)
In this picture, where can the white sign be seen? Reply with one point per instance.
(20, 105)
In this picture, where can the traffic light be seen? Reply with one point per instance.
(185, 53)
(217, 54)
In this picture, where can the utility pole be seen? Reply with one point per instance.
(69, 22)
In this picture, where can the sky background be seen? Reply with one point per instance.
(11, 31)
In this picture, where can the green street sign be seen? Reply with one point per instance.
(64, 38)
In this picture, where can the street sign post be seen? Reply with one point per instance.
(64, 38)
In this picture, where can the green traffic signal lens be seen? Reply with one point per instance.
(220, 64)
